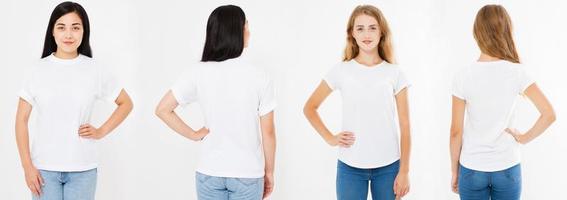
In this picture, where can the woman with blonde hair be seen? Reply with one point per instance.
(485, 154)
(372, 90)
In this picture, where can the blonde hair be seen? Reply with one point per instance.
(385, 50)
(493, 33)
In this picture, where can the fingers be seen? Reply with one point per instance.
(87, 131)
(268, 188)
(40, 179)
(346, 139)
(34, 186)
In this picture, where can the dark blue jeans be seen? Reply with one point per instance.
(352, 182)
(499, 185)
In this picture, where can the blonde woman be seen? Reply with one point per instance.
(485, 150)
(372, 90)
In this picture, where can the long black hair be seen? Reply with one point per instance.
(62, 9)
(225, 34)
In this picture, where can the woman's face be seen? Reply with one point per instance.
(246, 34)
(366, 32)
(68, 33)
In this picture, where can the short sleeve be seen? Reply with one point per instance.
(26, 93)
(401, 82)
(524, 80)
(458, 85)
(267, 97)
(185, 88)
(110, 87)
(332, 78)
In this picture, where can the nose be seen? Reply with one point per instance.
(68, 34)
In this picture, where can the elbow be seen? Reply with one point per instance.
(160, 111)
(456, 133)
(550, 116)
(129, 106)
(308, 110)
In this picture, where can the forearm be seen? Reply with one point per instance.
(173, 121)
(405, 150)
(543, 122)
(22, 140)
(117, 117)
(315, 120)
(269, 144)
(455, 149)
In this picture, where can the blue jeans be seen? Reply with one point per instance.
(499, 185)
(67, 185)
(352, 183)
(221, 188)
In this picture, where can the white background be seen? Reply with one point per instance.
(148, 43)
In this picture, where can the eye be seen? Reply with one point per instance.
(76, 28)
(359, 29)
(60, 28)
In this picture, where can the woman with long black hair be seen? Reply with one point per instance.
(237, 98)
(61, 90)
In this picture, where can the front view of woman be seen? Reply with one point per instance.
(485, 153)
(372, 89)
(237, 99)
(61, 90)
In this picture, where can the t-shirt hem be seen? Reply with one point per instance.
(66, 168)
(25, 96)
(114, 95)
(490, 169)
(269, 108)
(369, 166)
(231, 174)
(525, 86)
(402, 88)
(177, 98)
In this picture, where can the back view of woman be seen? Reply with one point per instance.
(237, 99)
(485, 150)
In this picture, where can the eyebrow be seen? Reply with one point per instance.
(62, 24)
(368, 25)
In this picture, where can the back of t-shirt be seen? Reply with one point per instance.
(490, 90)
(233, 95)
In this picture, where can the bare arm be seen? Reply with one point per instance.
(456, 138)
(269, 145)
(546, 118)
(124, 104)
(166, 112)
(33, 177)
(401, 186)
(343, 139)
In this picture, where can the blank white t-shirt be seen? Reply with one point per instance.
(62, 94)
(233, 94)
(369, 111)
(490, 90)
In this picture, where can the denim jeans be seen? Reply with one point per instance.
(499, 185)
(352, 183)
(224, 188)
(68, 185)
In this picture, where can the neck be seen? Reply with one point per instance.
(486, 58)
(66, 55)
(368, 58)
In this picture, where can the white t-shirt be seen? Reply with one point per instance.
(62, 94)
(369, 111)
(490, 90)
(233, 95)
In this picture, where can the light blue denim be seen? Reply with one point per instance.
(224, 188)
(499, 185)
(68, 185)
